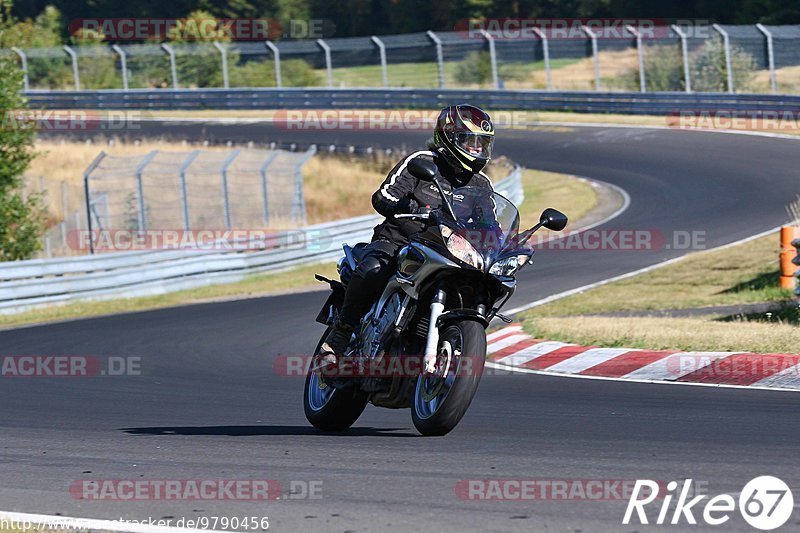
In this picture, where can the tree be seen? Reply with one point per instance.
(21, 219)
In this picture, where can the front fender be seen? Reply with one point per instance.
(455, 315)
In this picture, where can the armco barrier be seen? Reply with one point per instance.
(28, 284)
(587, 102)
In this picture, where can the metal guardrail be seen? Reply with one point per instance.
(588, 102)
(29, 284)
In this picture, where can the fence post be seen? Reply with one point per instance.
(773, 81)
(23, 59)
(382, 52)
(546, 52)
(75, 75)
(123, 63)
(687, 75)
(184, 192)
(172, 67)
(226, 201)
(224, 55)
(140, 189)
(328, 66)
(726, 42)
(595, 55)
(640, 53)
(276, 54)
(264, 194)
(492, 57)
(87, 196)
(299, 207)
(439, 56)
(64, 209)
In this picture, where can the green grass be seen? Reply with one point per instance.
(747, 273)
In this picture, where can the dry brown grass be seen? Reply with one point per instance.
(695, 334)
(579, 76)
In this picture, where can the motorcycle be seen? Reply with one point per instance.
(422, 345)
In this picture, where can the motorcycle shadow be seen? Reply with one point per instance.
(269, 430)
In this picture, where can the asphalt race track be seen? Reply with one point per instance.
(209, 405)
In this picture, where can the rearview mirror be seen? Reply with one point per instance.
(422, 169)
(553, 219)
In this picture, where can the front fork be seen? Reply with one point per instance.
(432, 343)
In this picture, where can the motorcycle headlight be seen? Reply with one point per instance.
(509, 265)
(461, 248)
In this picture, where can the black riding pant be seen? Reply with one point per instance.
(369, 279)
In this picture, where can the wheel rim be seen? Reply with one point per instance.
(432, 390)
(319, 392)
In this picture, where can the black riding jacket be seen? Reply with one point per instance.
(401, 192)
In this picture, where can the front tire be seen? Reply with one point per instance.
(330, 409)
(441, 401)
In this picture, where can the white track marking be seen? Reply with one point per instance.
(532, 352)
(587, 359)
(518, 370)
(69, 523)
(786, 378)
(672, 367)
(502, 332)
(505, 342)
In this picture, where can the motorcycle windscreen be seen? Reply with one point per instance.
(489, 221)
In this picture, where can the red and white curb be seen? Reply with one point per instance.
(511, 348)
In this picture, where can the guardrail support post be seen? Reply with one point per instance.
(726, 42)
(439, 56)
(225, 199)
(23, 59)
(276, 54)
(328, 66)
(142, 215)
(264, 192)
(184, 191)
(382, 52)
(223, 53)
(492, 57)
(595, 55)
(640, 54)
(87, 196)
(687, 75)
(546, 53)
(64, 209)
(123, 63)
(172, 67)
(75, 75)
(773, 81)
(299, 207)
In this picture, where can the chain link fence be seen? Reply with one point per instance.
(237, 188)
(714, 58)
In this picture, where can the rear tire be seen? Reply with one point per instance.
(442, 411)
(330, 409)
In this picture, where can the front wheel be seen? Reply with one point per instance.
(327, 408)
(441, 399)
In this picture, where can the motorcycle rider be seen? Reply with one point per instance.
(462, 143)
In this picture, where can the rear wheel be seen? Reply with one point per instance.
(327, 408)
(441, 399)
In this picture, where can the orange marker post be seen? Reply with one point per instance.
(788, 252)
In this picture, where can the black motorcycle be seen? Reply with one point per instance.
(423, 343)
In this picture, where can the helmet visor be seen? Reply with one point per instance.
(475, 144)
